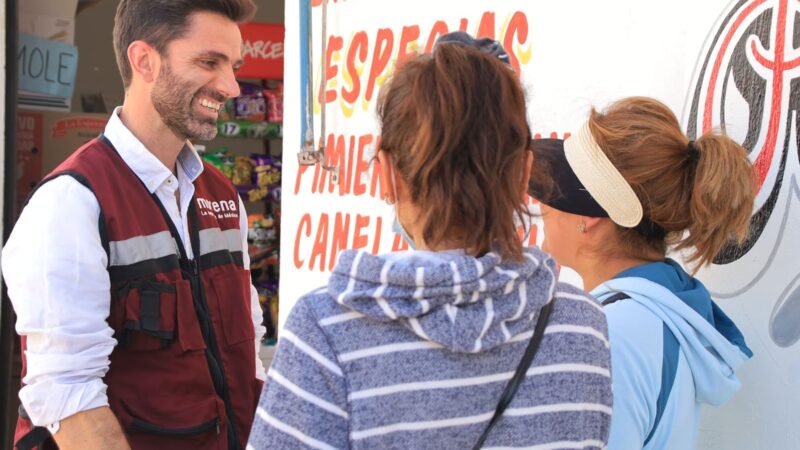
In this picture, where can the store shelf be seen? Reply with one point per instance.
(260, 257)
(249, 129)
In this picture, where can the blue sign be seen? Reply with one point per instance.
(46, 67)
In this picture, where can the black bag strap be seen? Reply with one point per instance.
(36, 439)
(615, 298)
(519, 375)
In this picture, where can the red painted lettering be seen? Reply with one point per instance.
(380, 59)
(486, 27)
(377, 241)
(399, 243)
(359, 188)
(341, 229)
(305, 223)
(439, 29)
(359, 238)
(318, 251)
(517, 32)
(357, 48)
(335, 43)
(409, 35)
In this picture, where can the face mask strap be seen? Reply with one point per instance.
(398, 227)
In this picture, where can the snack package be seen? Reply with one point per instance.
(275, 194)
(228, 111)
(278, 169)
(261, 230)
(251, 104)
(227, 166)
(275, 174)
(254, 220)
(274, 105)
(215, 159)
(255, 194)
(262, 168)
(242, 171)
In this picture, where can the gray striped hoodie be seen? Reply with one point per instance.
(412, 351)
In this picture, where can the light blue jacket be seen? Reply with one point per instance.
(665, 302)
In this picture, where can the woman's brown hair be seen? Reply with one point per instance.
(454, 125)
(706, 187)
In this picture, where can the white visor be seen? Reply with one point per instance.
(603, 181)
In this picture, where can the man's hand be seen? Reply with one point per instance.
(96, 428)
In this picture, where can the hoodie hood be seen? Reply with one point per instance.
(463, 303)
(713, 345)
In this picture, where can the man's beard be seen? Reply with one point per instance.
(173, 100)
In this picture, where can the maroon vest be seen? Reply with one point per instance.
(183, 370)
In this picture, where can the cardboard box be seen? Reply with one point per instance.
(45, 139)
(48, 19)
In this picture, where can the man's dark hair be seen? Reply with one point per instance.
(158, 22)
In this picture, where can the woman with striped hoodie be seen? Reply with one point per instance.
(415, 349)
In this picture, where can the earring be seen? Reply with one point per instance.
(582, 227)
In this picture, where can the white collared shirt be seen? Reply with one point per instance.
(54, 266)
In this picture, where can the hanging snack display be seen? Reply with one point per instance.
(256, 113)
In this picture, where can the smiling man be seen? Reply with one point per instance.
(140, 327)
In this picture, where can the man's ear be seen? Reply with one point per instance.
(144, 60)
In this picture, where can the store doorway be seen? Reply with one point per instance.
(9, 362)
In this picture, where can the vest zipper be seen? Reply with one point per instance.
(215, 358)
(212, 351)
(192, 272)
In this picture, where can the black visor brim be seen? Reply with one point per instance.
(563, 191)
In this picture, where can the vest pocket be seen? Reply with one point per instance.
(140, 425)
(176, 421)
(232, 291)
(151, 315)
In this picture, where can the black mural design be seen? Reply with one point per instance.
(754, 54)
